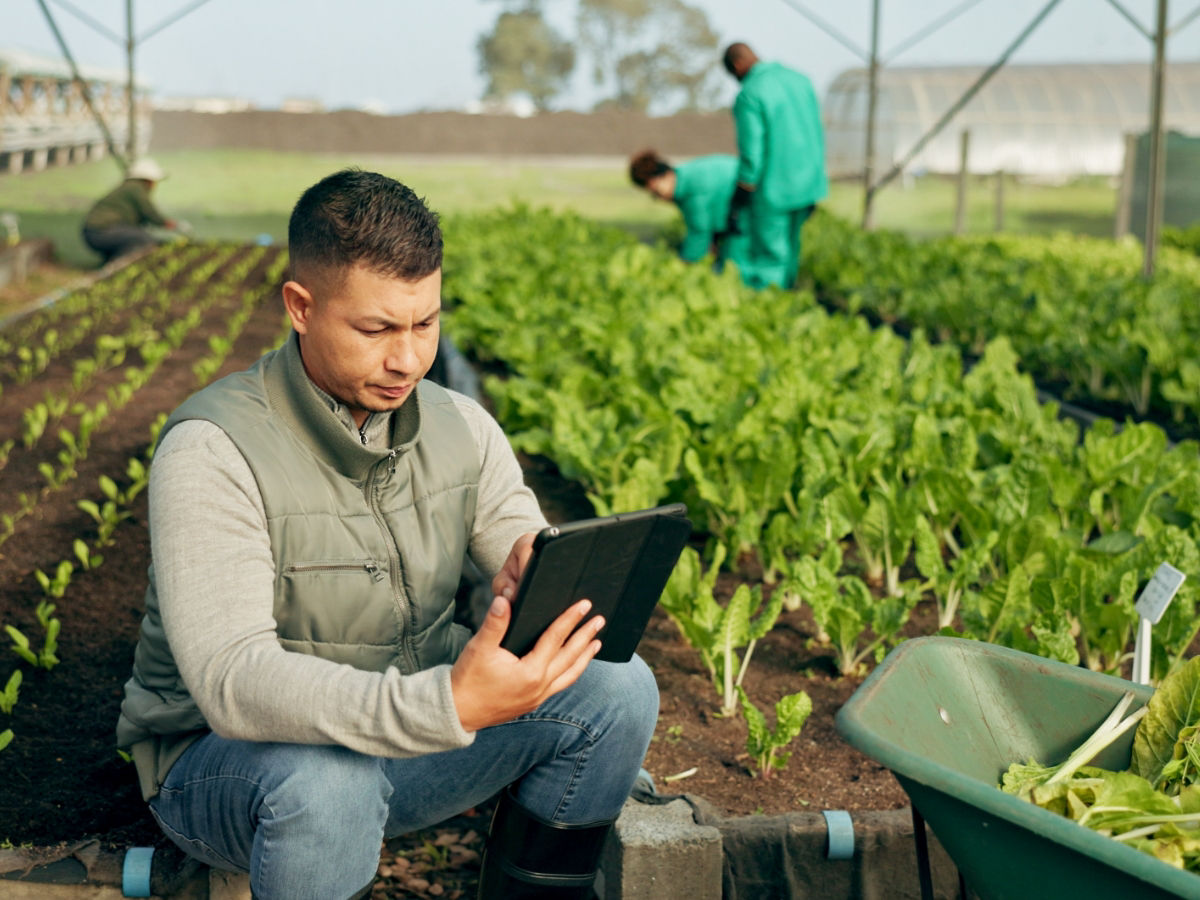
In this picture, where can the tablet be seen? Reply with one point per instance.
(619, 562)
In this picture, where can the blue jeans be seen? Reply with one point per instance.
(308, 821)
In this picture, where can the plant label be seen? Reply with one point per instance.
(1159, 590)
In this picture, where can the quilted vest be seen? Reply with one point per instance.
(368, 544)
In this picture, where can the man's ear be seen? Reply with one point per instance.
(299, 304)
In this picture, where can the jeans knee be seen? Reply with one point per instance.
(644, 693)
(339, 790)
(630, 690)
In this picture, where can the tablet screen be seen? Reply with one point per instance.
(620, 562)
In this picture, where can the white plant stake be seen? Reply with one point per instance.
(1150, 606)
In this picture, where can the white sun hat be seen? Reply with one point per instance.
(146, 169)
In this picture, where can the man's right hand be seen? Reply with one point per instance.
(492, 685)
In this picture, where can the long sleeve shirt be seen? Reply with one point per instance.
(215, 575)
(128, 203)
(781, 144)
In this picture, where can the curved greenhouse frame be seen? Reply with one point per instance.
(1053, 120)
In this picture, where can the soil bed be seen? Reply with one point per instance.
(64, 780)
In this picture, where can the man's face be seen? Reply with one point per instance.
(366, 339)
(662, 186)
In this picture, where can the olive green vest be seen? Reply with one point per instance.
(383, 532)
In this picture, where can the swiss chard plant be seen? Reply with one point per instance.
(766, 745)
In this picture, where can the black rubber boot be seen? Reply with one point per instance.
(527, 857)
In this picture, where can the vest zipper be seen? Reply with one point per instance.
(401, 598)
(369, 566)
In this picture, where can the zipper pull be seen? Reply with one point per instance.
(362, 434)
(393, 455)
(373, 570)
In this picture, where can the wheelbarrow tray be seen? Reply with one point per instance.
(948, 716)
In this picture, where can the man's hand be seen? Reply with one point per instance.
(739, 201)
(506, 580)
(492, 686)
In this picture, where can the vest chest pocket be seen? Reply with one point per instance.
(336, 601)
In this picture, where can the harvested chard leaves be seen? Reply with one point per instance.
(1154, 806)
(1165, 750)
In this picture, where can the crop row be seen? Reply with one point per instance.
(1078, 310)
(212, 291)
(863, 470)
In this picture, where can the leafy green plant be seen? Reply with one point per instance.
(44, 658)
(764, 744)
(109, 513)
(6, 737)
(86, 557)
(35, 419)
(854, 622)
(717, 631)
(55, 585)
(1153, 805)
(12, 689)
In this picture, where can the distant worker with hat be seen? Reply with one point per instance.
(781, 163)
(116, 225)
(701, 188)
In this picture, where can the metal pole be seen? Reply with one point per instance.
(960, 201)
(83, 86)
(130, 88)
(962, 101)
(1154, 191)
(1125, 189)
(868, 219)
(999, 226)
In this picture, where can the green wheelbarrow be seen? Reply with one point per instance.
(948, 716)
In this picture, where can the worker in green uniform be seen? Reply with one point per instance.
(116, 225)
(701, 188)
(781, 163)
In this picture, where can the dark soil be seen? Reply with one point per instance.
(64, 781)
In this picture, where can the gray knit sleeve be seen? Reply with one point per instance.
(507, 508)
(214, 575)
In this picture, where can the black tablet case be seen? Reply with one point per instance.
(620, 562)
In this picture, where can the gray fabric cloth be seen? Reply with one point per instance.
(204, 503)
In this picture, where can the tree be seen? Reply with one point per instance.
(523, 54)
(651, 53)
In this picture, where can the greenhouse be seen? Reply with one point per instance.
(1044, 120)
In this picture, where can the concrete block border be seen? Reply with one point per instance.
(668, 848)
(681, 848)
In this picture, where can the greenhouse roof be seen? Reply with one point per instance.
(1072, 116)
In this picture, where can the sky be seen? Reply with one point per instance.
(400, 56)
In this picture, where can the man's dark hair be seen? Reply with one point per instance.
(647, 165)
(362, 218)
(737, 54)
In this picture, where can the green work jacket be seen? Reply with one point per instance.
(781, 145)
(382, 531)
(128, 203)
(703, 188)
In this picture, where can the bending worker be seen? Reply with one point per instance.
(116, 224)
(781, 163)
(300, 690)
(702, 189)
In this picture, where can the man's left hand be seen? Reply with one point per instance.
(506, 580)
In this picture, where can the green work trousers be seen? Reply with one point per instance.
(773, 257)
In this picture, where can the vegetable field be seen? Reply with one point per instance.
(865, 474)
(851, 487)
(83, 385)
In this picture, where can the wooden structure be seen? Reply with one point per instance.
(45, 119)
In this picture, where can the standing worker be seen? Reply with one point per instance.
(781, 163)
(116, 224)
(702, 189)
(300, 690)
